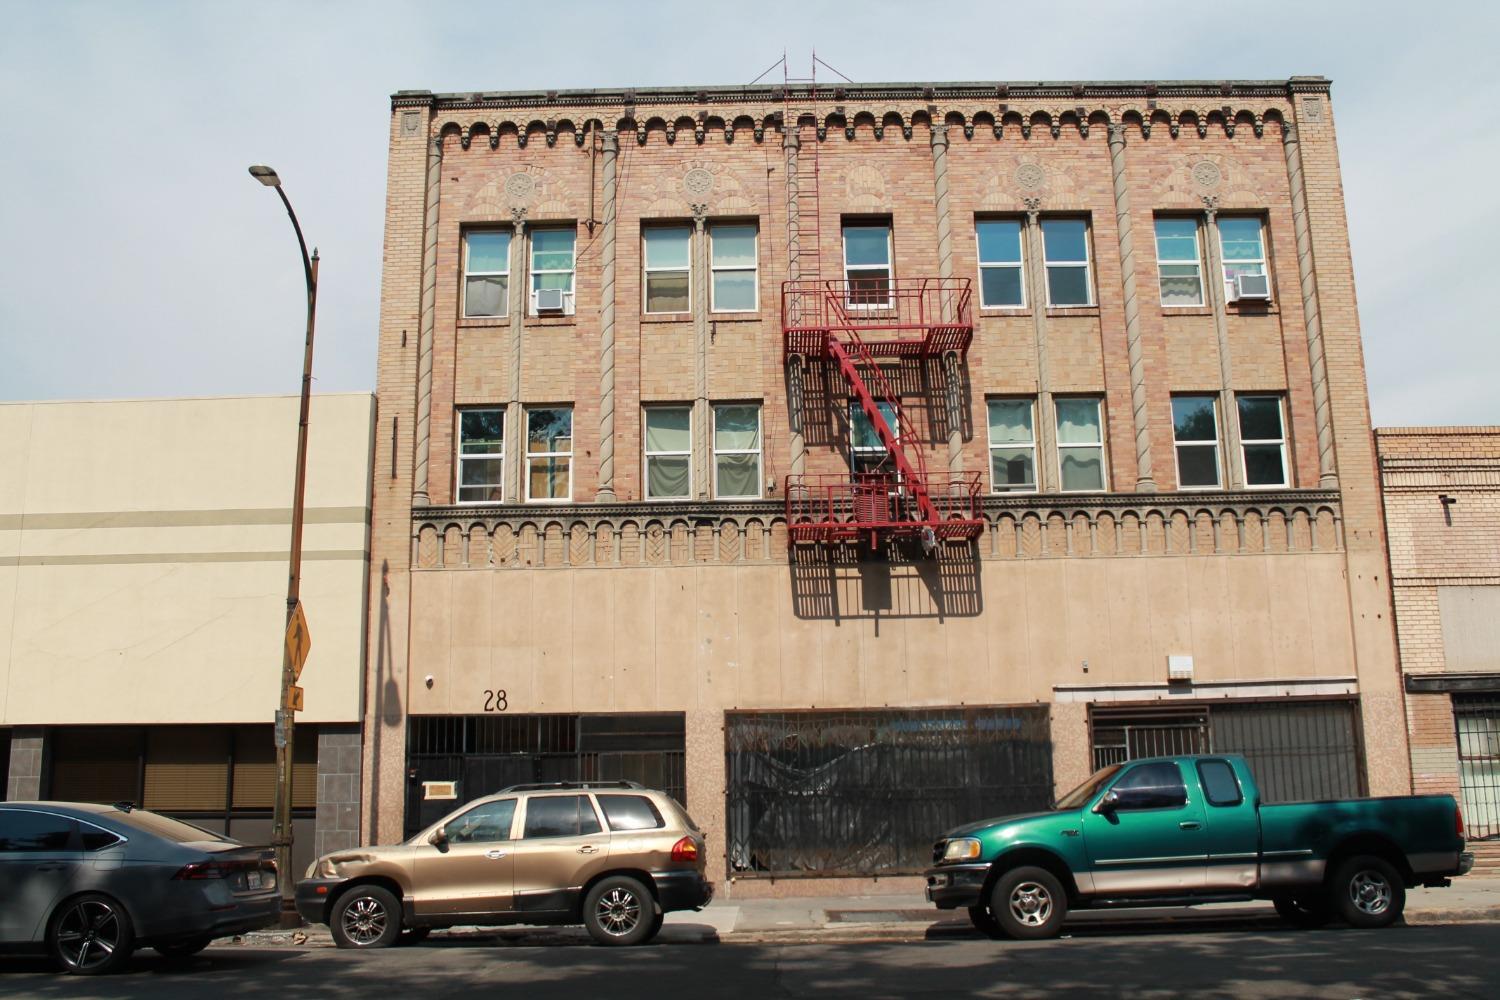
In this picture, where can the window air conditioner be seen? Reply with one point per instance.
(1252, 286)
(549, 300)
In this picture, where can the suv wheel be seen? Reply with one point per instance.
(1367, 891)
(1029, 903)
(91, 935)
(619, 911)
(366, 916)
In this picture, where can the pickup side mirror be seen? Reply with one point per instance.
(1109, 803)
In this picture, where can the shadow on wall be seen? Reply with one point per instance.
(894, 581)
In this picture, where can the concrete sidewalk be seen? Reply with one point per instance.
(908, 917)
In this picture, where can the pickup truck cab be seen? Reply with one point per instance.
(1188, 830)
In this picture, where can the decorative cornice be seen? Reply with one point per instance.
(857, 93)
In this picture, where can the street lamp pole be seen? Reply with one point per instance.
(281, 835)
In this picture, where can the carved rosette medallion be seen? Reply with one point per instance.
(696, 183)
(1030, 176)
(519, 187)
(1207, 175)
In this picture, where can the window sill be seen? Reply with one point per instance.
(668, 318)
(546, 321)
(484, 322)
(1003, 311)
(738, 316)
(1062, 311)
(1187, 310)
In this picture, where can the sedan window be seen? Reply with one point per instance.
(560, 816)
(22, 831)
(487, 822)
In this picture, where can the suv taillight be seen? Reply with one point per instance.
(685, 849)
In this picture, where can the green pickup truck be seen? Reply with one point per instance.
(1186, 830)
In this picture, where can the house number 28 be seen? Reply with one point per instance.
(495, 701)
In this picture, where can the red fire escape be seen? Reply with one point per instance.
(853, 324)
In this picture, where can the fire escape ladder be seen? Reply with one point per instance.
(911, 475)
(804, 244)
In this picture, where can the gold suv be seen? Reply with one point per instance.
(613, 856)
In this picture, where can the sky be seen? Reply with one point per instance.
(138, 258)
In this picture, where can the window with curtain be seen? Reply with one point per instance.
(552, 264)
(867, 453)
(1000, 269)
(669, 452)
(1195, 435)
(1178, 267)
(1066, 245)
(668, 262)
(732, 258)
(1080, 445)
(486, 273)
(549, 453)
(737, 450)
(1012, 446)
(867, 266)
(1263, 441)
(481, 455)
(1242, 249)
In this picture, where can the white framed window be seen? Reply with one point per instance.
(1080, 445)
(667, 258)
(1001, 281)
(736, 450)
(1263, 441)
(1012, 446)
(1065, 242)
(481, 455)
(1242, 249)
(1178, 266)
(486, 273)
(552, 263)
(1195, 437)
(549, 453)
(867, 266)
(668, 441)
(867, 453)
(732, 259)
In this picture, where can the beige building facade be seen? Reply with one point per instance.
(143, 569)
(1442, 508)
(855, 461)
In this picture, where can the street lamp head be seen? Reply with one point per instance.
(265, 175)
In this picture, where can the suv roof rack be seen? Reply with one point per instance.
(553, 786)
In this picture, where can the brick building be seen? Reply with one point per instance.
(1442, 510)
(852, 460)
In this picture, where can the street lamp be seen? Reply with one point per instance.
(281, 835)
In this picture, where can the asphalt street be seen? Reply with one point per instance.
(1459, 960)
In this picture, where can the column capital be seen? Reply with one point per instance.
(1116, 132)
(939, 135)
(611, 140)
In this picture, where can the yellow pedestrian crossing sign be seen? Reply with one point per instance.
(298, 641)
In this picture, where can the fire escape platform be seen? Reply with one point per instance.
(900, 318)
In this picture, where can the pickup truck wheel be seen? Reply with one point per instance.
(1303, 911)
(1368, 891)
(1029, 904)
(366, 916)
(984, 921)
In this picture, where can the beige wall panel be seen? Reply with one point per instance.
(964, 674)
(1471, 627)
(1008, 631)
(594, 643)
(1046, 605)
(511, 600)
(8, 575)
(1128, 659)
(637, 633)
(848, 681)
(471, 598)
(1257, 352)
(1089, 628)
(801, 655)
(1249, 594)
(1294, 636)
(1212, 627)
(15, 444)
(766, 611)
(1332, 645)
(672, 681)
(553, 624)
(431, 644)
(1166, 580)
(717, 637)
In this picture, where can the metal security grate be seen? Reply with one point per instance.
(1477, 720)
(860, 793)
(485, 753)
(1298, 750)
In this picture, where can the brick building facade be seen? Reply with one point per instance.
(1442, 509)
(1098, 341)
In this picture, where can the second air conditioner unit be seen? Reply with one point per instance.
(549, 300)
(1254, 287)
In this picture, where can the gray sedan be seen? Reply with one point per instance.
(90, 883)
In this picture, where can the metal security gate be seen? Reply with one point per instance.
(863, 793)
(1477, 720)
(481, 754)
(1297, 749)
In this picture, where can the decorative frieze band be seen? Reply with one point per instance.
(1029, 527)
